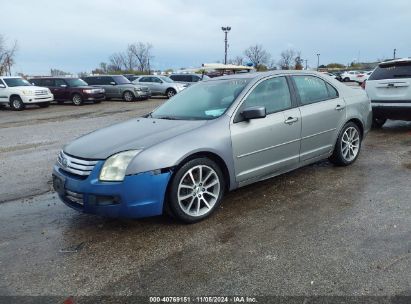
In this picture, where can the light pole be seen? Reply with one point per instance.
(306, 64)
(395, 53)
(318, 61)
(225, 29)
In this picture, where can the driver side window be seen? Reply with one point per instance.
(273, 94)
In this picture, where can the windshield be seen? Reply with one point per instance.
(76, 82)
(16, 82)
(166, 79)
(202, 101)
(121, 80)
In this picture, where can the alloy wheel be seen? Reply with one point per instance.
(198, 190)
(77, 100)
(128, 96)
(350, 144)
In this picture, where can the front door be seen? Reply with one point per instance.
(62, 90)
(322, 113)
(264, 146)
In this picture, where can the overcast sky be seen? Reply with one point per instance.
(76, 35)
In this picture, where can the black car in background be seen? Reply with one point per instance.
(70, 89)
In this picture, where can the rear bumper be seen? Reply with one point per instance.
(139, 195)
(392, 109)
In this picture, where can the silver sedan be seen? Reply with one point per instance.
(215, 136)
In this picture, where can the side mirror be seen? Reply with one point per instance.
(254, 113)
(2, 86)
(112, 83)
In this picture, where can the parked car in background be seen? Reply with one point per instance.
(118, 86)
(389, 88)
(215, 136)
(73, 89)
(363, 77)
(160, 85)
(351, 75)
(18, 92)
(188, 78)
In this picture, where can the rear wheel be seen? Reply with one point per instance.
(348, 145)
(196, 190)
(377, 123)
(170, 93)
(16, 103)
(128, 96)
(77, 99)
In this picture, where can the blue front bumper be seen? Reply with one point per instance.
(139, 195)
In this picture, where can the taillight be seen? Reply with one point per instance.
(363, 84)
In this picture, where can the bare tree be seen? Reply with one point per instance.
(142, 52)
(116, 62)
(257, 55)
(287, 59)
(238, 60)
(6, 56)
(56, 72)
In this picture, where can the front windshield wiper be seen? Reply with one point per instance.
(166, 117)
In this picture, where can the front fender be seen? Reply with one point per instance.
(213, 137)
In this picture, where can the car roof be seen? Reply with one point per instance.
(6, 77)
(400, 60)
(260, 75)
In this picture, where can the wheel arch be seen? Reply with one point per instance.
(214, 157)
(357, 121)
(14, 95)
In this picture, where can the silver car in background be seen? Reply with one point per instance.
(188, 79)
(215, 136)
(160, 85)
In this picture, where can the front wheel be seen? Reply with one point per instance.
(348, 145)
(16, 103)
(377, 123)
(196, 190)
(170, 93)
(128, 96)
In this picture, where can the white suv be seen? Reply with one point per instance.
(18, 92)
(389, 88)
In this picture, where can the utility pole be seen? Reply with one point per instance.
(318, 61)
(306, 64)
(225, 29)
(395, 53)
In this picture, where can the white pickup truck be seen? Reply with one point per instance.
(18, 92)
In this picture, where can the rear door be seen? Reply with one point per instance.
(147, 81)
(267, 145)
(390, 83)
(323, 113)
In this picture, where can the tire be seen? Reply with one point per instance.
(16, 103)
(189, 200)
(44, 104)
(348, 145)
(346, 79)
(128, 96)
(377, 123)
(77, 99)
(170, 93)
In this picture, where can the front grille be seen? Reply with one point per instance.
(40, 92)
(75, 165)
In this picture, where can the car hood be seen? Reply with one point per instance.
(30, 88)
(137, 133)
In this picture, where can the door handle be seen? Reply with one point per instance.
(339, 107)
(291, 120)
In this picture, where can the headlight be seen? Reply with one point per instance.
(26, 92)
(88, 91)
(114, 168)
(137, 89)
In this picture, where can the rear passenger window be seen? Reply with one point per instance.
(311, 89)
(272, 93)
(60, 82)
(332, 92)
